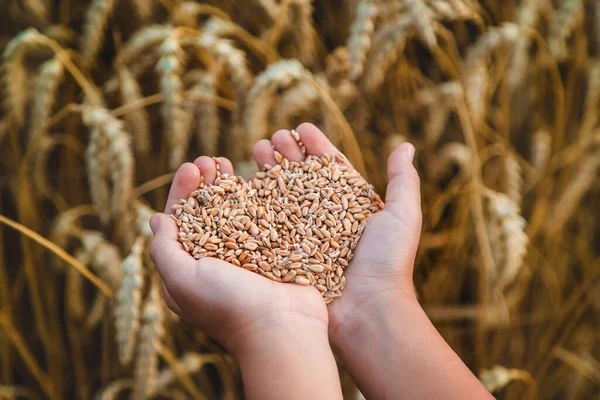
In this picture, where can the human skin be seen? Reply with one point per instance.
(377, 328)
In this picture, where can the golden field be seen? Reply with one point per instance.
(102, 100)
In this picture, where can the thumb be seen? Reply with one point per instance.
(403, 196)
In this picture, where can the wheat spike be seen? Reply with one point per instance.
(109, 156)
(583, 178)
(304, 32)
(566, 19)
(136, 121)
(206, 114)
(498, 377)
(112, 391)
(527, 17)
(143, 215)
(175, 118)
(512, 178)
(359, 40)
(475, 77)
(505, 215)
(296, 100)
(146, 363)
(423, 21)
(96, 19)
(262, 95)
(541, 149)
(143, 39)
(128, 302)
(144, 8)
(45, 86)
(453, 10)
(14, 75)
(103, 256)
(453, 153)
(388, 43)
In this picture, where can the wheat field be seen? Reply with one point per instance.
(101, 101)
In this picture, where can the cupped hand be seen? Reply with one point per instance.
(232, 305)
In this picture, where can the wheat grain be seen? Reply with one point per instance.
(146, 363)
(206, 114)
(45, 86)
(109, 147)
(566, 19)
(14, 75)
(136, 121)
(96, 19)
(261, 96)
(359, 41)
(175, 118)
(128, 302)
(294, 222)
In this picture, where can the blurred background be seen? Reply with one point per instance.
(103, 99)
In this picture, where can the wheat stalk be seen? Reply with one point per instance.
(103, 257)
(109, 157)
(96, 19)
(45, 86)
(359, 40)
(136, 121)
(14, 75)
(261, 96)
(206, 114)
(146, 363)
(128, 302)
(592, 100)
(566, 19)
(39, 9)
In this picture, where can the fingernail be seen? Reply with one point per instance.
(154, 223)
(410, 152)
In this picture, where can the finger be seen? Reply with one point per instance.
(169, 300)
(225, 166)
(208, 168)
(173, 263)
(284, 142)
(315, 141)
(185, 182)
(403, 197)
(263, 153)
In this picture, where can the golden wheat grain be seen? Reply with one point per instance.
(109, 158)
(14, 76)
(128, 302)
(566, 19)
(388, 43)
(103, 256)
(262, 95)
(359, 41)
(584, 176)
(45, 86)
(136, 121)
(474, 75)
(146, 362)
(207, 122)
(96, 19)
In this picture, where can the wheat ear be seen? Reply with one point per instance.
(14, 73)
(453, 153)
(475, 77)
(359, 40)
(104, 257)
(388, 43)
(143, 39)
(143, 215)
(146, 363)
(109, 157)
(296, 100)
(512, 179)
(96, 19)
(262, 95)
(136, 121)
(423, 21)
(453, 10)
(45, 86)
(541, 149)
(206, 114)
(303, 32)
(584, 177)
(175, 118)
(566, 19)
(128, 302)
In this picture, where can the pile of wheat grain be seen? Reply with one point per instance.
(294, 222)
